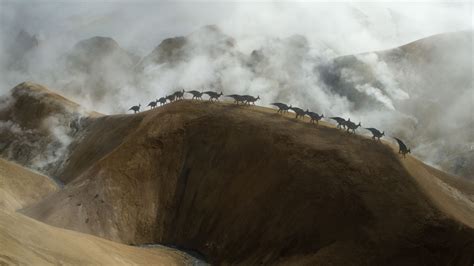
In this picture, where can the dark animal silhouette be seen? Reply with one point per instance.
(213, 95)
(179, 95)
(298, 111)
(402, 147)
(162, 100)
(237, 98)
(250, 99)
(196, 94)
(135, 108)
(376, 133)
(282, 108)
(152, 104)
(171, 98)
(314, 116)
(341, 122)
(351, 126)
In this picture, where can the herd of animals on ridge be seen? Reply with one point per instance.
(342, 123)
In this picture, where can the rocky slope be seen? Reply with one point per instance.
(245, 185)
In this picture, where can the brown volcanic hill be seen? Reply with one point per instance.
(245, 185)
(24, 241)
(37, 126)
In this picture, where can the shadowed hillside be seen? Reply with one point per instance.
(245, 185)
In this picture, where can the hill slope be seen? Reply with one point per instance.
(20, 187)
(28, 242)
(245, 185)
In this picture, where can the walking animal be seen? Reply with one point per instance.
(237, 98)
(196, 94)
(341, 122)
(179, 95)
(250, 99)
(135, 108)
(376, 133)
(282, 108)
(162, 100)
(213, 95)
(314, 116)
(299, 112)
(152, 104)
(171, 98)
(351, 126)
(402, 147)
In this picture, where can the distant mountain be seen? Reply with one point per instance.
(209, 41)
(97, 66)
(429, 79)
(19, 50)
(431, 67)
(90, 54)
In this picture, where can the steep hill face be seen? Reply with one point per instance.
(245, 185)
